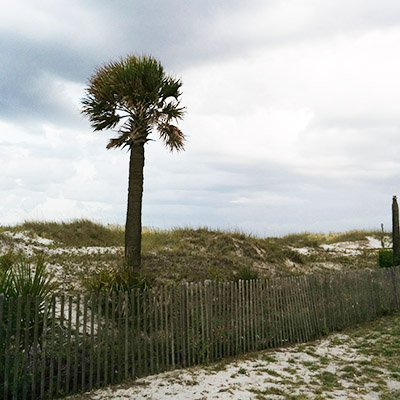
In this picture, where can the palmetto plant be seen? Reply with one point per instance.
(133, 97)
(18, 277)
(30, 283)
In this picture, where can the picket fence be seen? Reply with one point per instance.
(63, 345)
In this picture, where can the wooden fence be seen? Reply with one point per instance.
(60, 346)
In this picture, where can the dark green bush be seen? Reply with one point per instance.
(385, 258)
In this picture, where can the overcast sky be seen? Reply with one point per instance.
(293, 112)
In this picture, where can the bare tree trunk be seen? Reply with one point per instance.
(133, 226)
(396, 234)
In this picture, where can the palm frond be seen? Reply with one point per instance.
(172, 136)
(170, 88)
(121, 141)
(173, 111)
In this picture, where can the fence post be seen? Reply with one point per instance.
(395, 294)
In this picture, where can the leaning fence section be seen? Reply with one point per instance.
(64, 345)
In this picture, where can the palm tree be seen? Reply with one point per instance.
(133, 96)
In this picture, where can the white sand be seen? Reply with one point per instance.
(269, 373)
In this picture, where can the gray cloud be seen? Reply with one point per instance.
(181, 34)
(292, 112)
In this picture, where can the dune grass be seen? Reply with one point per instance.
(78, 233)
(308, 239)
(181, 254)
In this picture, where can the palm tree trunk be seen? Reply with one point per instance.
(133, 226)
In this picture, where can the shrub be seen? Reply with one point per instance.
(246, 274)
(385, 258)
(113, 279)
(18, 277)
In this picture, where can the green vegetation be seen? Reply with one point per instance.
(18, 277)
(385, 258)
(112, 279)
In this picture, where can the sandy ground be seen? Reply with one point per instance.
(317, 370)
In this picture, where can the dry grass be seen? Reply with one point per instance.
(86, 254)
(79, 233)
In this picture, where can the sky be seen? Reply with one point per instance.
(292, 122)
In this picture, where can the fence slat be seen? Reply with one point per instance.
(93, 309)
(133, 332)
(16, 347)
(43, 351)
(26, 341)
(166, 347)
(99, 337)
(35, 346)
(126, 333)
(7, 348)
(83, 349)
(112, 338)
(61, 345)
(239, 318)
(106, 337)
(52, 349)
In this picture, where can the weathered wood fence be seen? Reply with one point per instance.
(64, 345)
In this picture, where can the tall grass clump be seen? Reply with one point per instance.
(246, 274)
(354, 235)
(305, 239)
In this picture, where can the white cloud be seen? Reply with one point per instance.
(292, 113)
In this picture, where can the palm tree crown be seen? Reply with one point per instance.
(133, 96)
